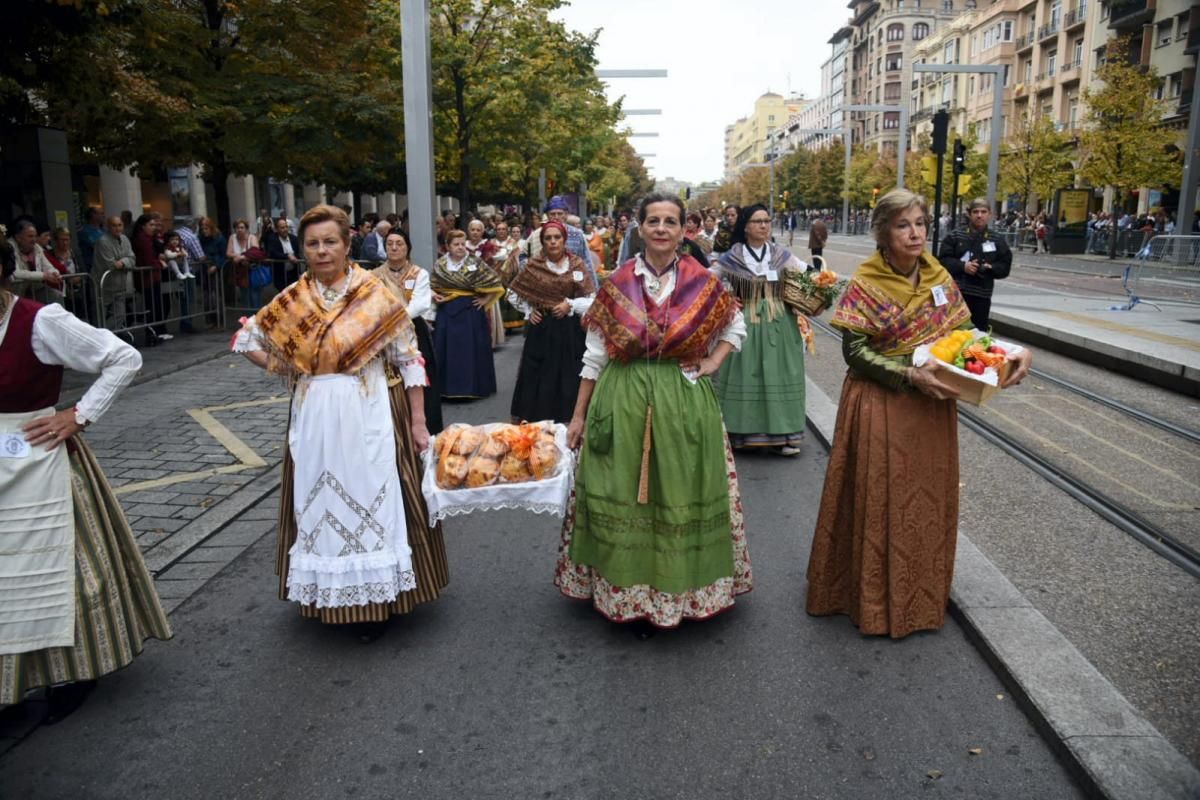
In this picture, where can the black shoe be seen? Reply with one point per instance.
(62, 701)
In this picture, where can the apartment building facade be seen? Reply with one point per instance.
(746, 139)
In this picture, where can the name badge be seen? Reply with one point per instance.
(411, 283)
(472, 268)
(772, 275)
(13, 445)
(989, 247)
(967, 256)
(577, 276)
(939, 296)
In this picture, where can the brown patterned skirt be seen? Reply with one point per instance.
(883, 550)
(428, 547)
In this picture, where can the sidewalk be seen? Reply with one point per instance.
(1159, 345)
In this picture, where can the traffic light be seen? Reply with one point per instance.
(941, 124)
(929, 170)
(960, 156)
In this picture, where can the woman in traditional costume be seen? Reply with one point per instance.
(464, 288)
(411, 284)
(762, 387)
(883, 550)
(354, 542)
(654, 526)
(78, 600)
(485, 251)
(554, 290)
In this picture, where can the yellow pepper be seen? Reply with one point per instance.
(948, 347)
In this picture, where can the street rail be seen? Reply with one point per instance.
(1148, 533)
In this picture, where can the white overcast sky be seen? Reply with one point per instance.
(720, 55)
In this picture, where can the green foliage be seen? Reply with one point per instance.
(1036, 160)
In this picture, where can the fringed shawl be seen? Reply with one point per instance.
(751, 288)
(395, 280)
(684, 326)
(303, 337)
(543, 288)
(474, 279)
(895, 316)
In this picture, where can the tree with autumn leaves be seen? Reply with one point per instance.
(251, 87)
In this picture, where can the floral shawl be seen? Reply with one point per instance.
(303, 337)
(683, 327)
(750, 288)
(895, 316)
(482, 281)
(543, 289)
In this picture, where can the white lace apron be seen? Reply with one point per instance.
(37, 542)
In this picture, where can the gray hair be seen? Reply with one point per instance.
(890, 206)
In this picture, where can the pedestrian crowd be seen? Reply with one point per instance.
(663, 341)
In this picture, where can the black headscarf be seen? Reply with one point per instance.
(739, 229)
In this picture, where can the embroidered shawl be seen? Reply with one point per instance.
(543, 289)
(304, 337)
(752, 289)
(395, 280)
(895, 316)
(684, 326)
(479, 282)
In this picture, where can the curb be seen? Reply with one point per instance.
(1115, 750)
(1144, 367)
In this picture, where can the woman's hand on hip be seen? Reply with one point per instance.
(562, 309)
(925, 380)
(53, 429)
(535, 317)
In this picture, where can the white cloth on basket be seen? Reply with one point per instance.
(351, 544)
(37, 542)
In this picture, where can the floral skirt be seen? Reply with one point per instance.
(644, 602)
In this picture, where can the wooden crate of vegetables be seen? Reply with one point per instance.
(973, 362)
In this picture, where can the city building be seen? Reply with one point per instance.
(825, 112)
(746, 139)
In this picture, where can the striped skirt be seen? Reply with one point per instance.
(116, 606)
(428, 547)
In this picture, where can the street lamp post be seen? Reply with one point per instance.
(418, 126)
(902, 144)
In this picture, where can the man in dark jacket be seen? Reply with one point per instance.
(977, 259)
(283, 249)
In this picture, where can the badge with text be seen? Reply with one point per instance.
(939, 296)
(989, 247)
(577, 276)
(772, 275)
(471, 268)
(13, 445)
(411, 283)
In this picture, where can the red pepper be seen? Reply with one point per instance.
(997, 349)
(975, 367)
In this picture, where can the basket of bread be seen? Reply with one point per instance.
(479, 467)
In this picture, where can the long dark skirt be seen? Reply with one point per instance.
(433, 392)
(548, 379)
(462, 341)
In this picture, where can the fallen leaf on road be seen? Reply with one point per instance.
(999, 697)
(934, 773)
(206, 502)
(868, 754)
(975, 751)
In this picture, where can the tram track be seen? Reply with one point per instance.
(1135, 525)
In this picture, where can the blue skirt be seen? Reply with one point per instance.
(462, 341)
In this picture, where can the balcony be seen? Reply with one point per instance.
(1075, 17)
(1126, 15)
(1024, 42)
(1070, 71)
(1046, 31)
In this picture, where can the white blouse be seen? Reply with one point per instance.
(579, 305)
(401, 352)
(421, 304)
(60, 338)
(595, 356)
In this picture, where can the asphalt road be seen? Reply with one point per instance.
(504, 689)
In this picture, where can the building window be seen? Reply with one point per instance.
(1052, 63)
(891, 120)
(1028, 71)
(1008, 30)
(1099, 57)
(1055, 13)
(948, 53)
(1076, 55)
(920, 31)
(894, 61)
(1164, 33)
(1182, 30)
(971, 86)
(1006, 71)
(891, 92)
(1072, 112)
(1103, 11)
(895, 33)
(947, 5)
(1176, 85)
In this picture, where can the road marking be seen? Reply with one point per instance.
(1153, 436)
(247, 458)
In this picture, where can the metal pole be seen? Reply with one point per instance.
(902, 147)
(846, 187)
(1191, 169)
(541, 189)
(994, 146)
(771, 196)
(418, 127)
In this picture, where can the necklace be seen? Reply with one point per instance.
(655, 278)
(757, 256)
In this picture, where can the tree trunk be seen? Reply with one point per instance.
(219, 171)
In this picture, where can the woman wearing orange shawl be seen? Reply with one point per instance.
(883, 550)
(354, 545)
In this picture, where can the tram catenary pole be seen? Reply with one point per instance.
(418, 127)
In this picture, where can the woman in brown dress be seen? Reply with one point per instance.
(883, 550)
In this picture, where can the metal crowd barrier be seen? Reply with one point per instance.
(121, 304)
(1129, 242)
(1176, 257)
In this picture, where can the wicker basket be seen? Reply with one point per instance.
(795, 296)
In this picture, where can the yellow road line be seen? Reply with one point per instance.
(1178, 341)
(237, 448)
